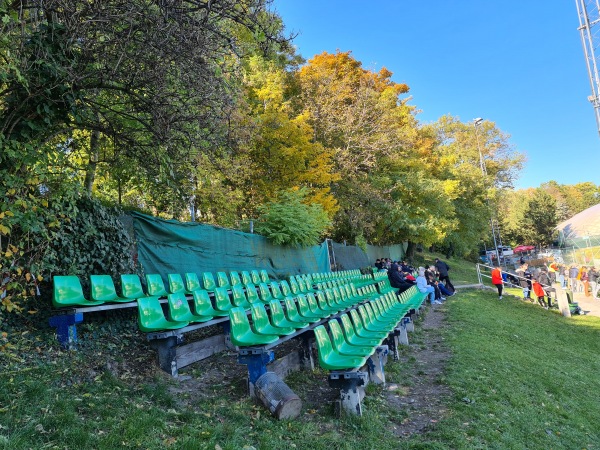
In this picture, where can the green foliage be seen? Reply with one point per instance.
(45, 229)
(90, 240)
(289, 221)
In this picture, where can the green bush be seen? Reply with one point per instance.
(289, 221)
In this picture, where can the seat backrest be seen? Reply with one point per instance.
(175, 283)
(347, 326)
(179, 308)
(208, 281)
(238, 295)
(276, 291)
(301, 284)
(264, 276)
(285, 288)
(265, 293)
(222, 300)
(131, 286)
(223, 280)
(235, 279)
(277, 313)
(323, 342)
(294, 286)
(303, 305)
(246, 277)
(150, 314)
(322, 301)
(155, 285)
(240, 325)
(255, 276)
(358, 323)
(251, 293)
(292, 310)
(67, 291)
(192, 282)
(337, 335)
(260, 319)
(202, 303)
(312, 303)
(102, 288)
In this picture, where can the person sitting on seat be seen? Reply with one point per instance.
(397, 279)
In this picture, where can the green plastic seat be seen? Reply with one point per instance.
(179, 309)
(235, 279)
(255, 274)
(306, 312)
(241, 333)
(355, 339)
(192, 283)
(239, 296)
(322, 300)
(246, 277)
(314, 305)
(223, 280)
(362, 330)
(264, 292)
(330, 359)
(264, 276)
(155, 285)
(222, 300)
(208, 282)
(102, 289)
(286, 290)
(251, 293)
(262, 325)
(384, 324)
(292, 313)
(152, 318)
(131, 287)
(343, 347)
(67, 291)
(294, 286)
(277, 294)
(301, 285)
(202, 306)
(278, 318)
(176, 284)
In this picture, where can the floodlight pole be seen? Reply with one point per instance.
(494, 226)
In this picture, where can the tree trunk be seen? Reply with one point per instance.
(90, 171)
(410, 250)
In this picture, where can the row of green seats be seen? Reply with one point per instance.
(355, 340)
(152, 317)
(68, 292)
(294, 314)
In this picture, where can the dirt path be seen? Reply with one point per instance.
(422, 394)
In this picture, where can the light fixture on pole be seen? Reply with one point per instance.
(493, 224)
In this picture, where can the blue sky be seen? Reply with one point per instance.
(517, 63)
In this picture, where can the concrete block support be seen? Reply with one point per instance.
(376, 364)
(352, 389)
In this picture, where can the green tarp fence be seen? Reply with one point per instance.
(169, 246)
(346, 257)
(394, 252)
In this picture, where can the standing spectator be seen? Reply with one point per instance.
(593, 280)
(573, 272)
(425, 288)
(584, 279)
(544, 279)
(525, 280)
(443, 269)
(552, 269)
(561, 275)
(497, 280)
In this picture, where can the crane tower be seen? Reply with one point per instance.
(589, 27)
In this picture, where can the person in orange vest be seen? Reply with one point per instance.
(497, 280)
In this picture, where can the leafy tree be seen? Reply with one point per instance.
(540, 219)
(288, 220)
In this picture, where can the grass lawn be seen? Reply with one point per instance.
(519, 377)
